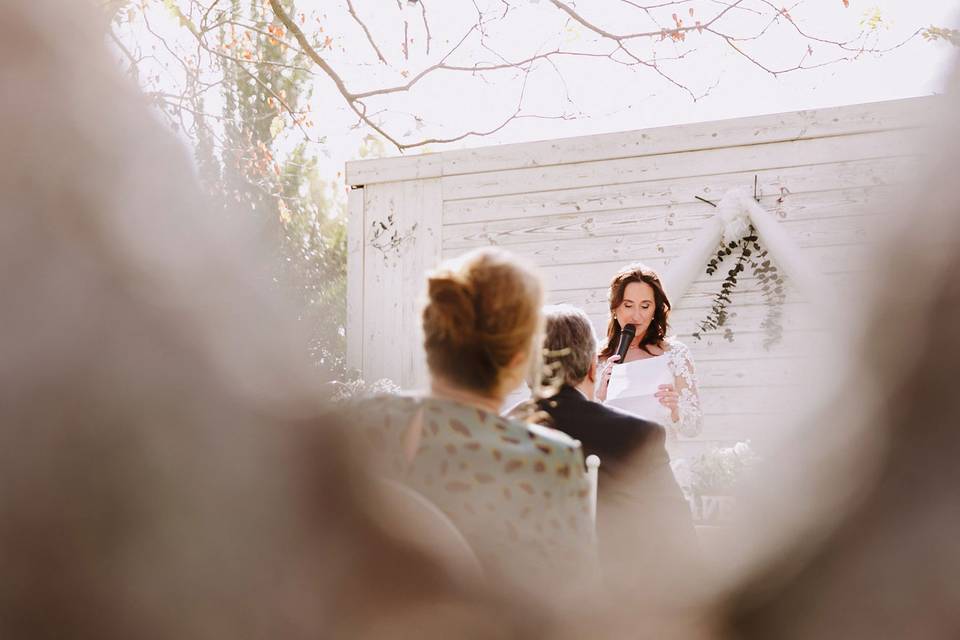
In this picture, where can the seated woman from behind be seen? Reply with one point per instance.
(516, 491)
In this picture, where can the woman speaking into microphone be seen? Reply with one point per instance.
(641, 369)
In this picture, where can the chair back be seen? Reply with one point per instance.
(433, 529)
(593, 468)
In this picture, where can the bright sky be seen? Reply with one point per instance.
(599, 95)
(614, 98)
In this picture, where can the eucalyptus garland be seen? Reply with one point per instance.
(749, 252)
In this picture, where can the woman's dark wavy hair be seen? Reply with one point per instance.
(657, 330)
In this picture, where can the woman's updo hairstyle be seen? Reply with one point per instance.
(481, 311)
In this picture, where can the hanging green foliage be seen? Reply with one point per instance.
(772, 285)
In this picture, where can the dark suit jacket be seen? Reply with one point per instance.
(614, 435)
(635, 476)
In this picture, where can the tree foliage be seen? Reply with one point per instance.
(933, 34)
(237, 108)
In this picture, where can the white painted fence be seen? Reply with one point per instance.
(580, 208)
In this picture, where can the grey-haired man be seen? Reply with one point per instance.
(635, 469)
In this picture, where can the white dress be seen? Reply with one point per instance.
(633, 385)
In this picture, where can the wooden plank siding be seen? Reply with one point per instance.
(674, 192)
(579, 209)
(672, 166)
(402, 242)
(780, 127)
(382, 263)
(355, 277)
(685, 218)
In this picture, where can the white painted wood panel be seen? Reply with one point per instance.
(422, 199)
(751, 372)
(736, 401)
(403, 244)
(384, 224)
(704, 135)
(750, 345)
(723, 429)
(688, 216)
(700, 295)
(822, 177)
(748, 318)
(707, 162)
(594, 301)
(747, 345)
(422, 166)
(671, 242)
(596, 275)
(779, 127)
(355, 278)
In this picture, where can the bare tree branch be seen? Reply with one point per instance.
(841, 45)
(644, 34)
(764, 20)
(426, 25)
(134, 63)
(415, 79)
(309, 50)
(363, 25)
(206, 14)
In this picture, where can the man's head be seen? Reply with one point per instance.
(570, 334)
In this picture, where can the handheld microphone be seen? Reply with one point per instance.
(626, 337)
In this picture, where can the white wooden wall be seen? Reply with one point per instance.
(580, 208)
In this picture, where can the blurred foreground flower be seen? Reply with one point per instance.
(717, 472)
(359, 389)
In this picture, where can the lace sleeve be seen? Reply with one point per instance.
(690, 417)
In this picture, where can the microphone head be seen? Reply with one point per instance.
(627, 335)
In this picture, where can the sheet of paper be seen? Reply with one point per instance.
(633, 385)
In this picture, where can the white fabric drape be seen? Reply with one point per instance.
(683, 271)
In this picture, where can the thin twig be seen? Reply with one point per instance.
(366, 31)
(426, 25)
